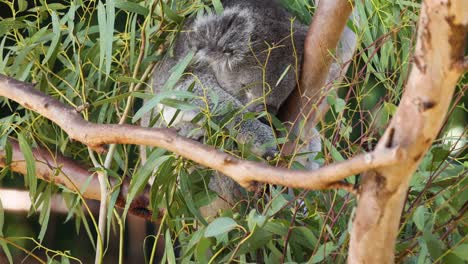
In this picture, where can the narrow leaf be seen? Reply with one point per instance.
(30, 180)
(220, 226)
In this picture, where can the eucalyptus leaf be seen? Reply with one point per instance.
(322, 252)
(220, 226)
(31, 180)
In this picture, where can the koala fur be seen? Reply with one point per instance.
(249, 57)
(252, 131)
(251, 49)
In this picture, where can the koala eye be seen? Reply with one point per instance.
(228, 51)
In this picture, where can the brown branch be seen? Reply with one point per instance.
(244, 172)
(72, 175)
(308, 102)
(441, 41)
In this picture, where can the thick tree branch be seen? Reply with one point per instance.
(441, 42)
(72, 175)
(244, 172)
(321, 65)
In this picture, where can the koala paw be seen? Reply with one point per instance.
(260, 137)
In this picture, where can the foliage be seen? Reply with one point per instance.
(93, 55)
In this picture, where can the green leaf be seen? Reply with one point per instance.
(257, 239)
(339, 105)
(169, 250)
(304, 236)
(109, 33)
(106, 18)
(203, 247)
(254, 219)
(31, 180)
(112, 99)
(127, 79)
(178, 104)
(45, 212)
(194, 241)
(151, 104)
(390, 109)
(184, 186)
(141, 177)
(171, 14)
(9, 24)
(177, 71)
(333, 151)
(322, 252)
(131, 7)
(217, 6)
(461, 251)
(220, 226)
(277, 227)
(434, 245)
(3, 244)
(22, 5)
(102, 35)
(55, 39)
(277, 203)
(419, 217)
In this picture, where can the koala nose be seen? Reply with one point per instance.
(270, 154)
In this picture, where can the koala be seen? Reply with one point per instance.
(249, 131)
(251, 49)
(247, 57)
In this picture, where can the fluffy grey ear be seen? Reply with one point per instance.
(222, 39)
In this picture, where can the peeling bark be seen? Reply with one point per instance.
(440, 46)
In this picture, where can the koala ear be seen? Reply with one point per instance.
(223, 39)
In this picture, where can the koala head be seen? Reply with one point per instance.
(222, 40)
(251, 52)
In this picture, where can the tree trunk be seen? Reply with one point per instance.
(437, 65)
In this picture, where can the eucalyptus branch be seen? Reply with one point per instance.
(325, 37)
(73, 176)
(244, 172)
(440, 47)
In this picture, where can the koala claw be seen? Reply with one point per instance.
(270, 154)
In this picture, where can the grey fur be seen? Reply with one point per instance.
(252, 131)
(230, 50)
(249, 47)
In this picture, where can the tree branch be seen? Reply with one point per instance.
(244, 172)
(307, 102)
(72, 175)
(440, 46)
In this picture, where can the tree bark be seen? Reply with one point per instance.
(246, 173)
(325, 37)
(74, 176)
(437, 65)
